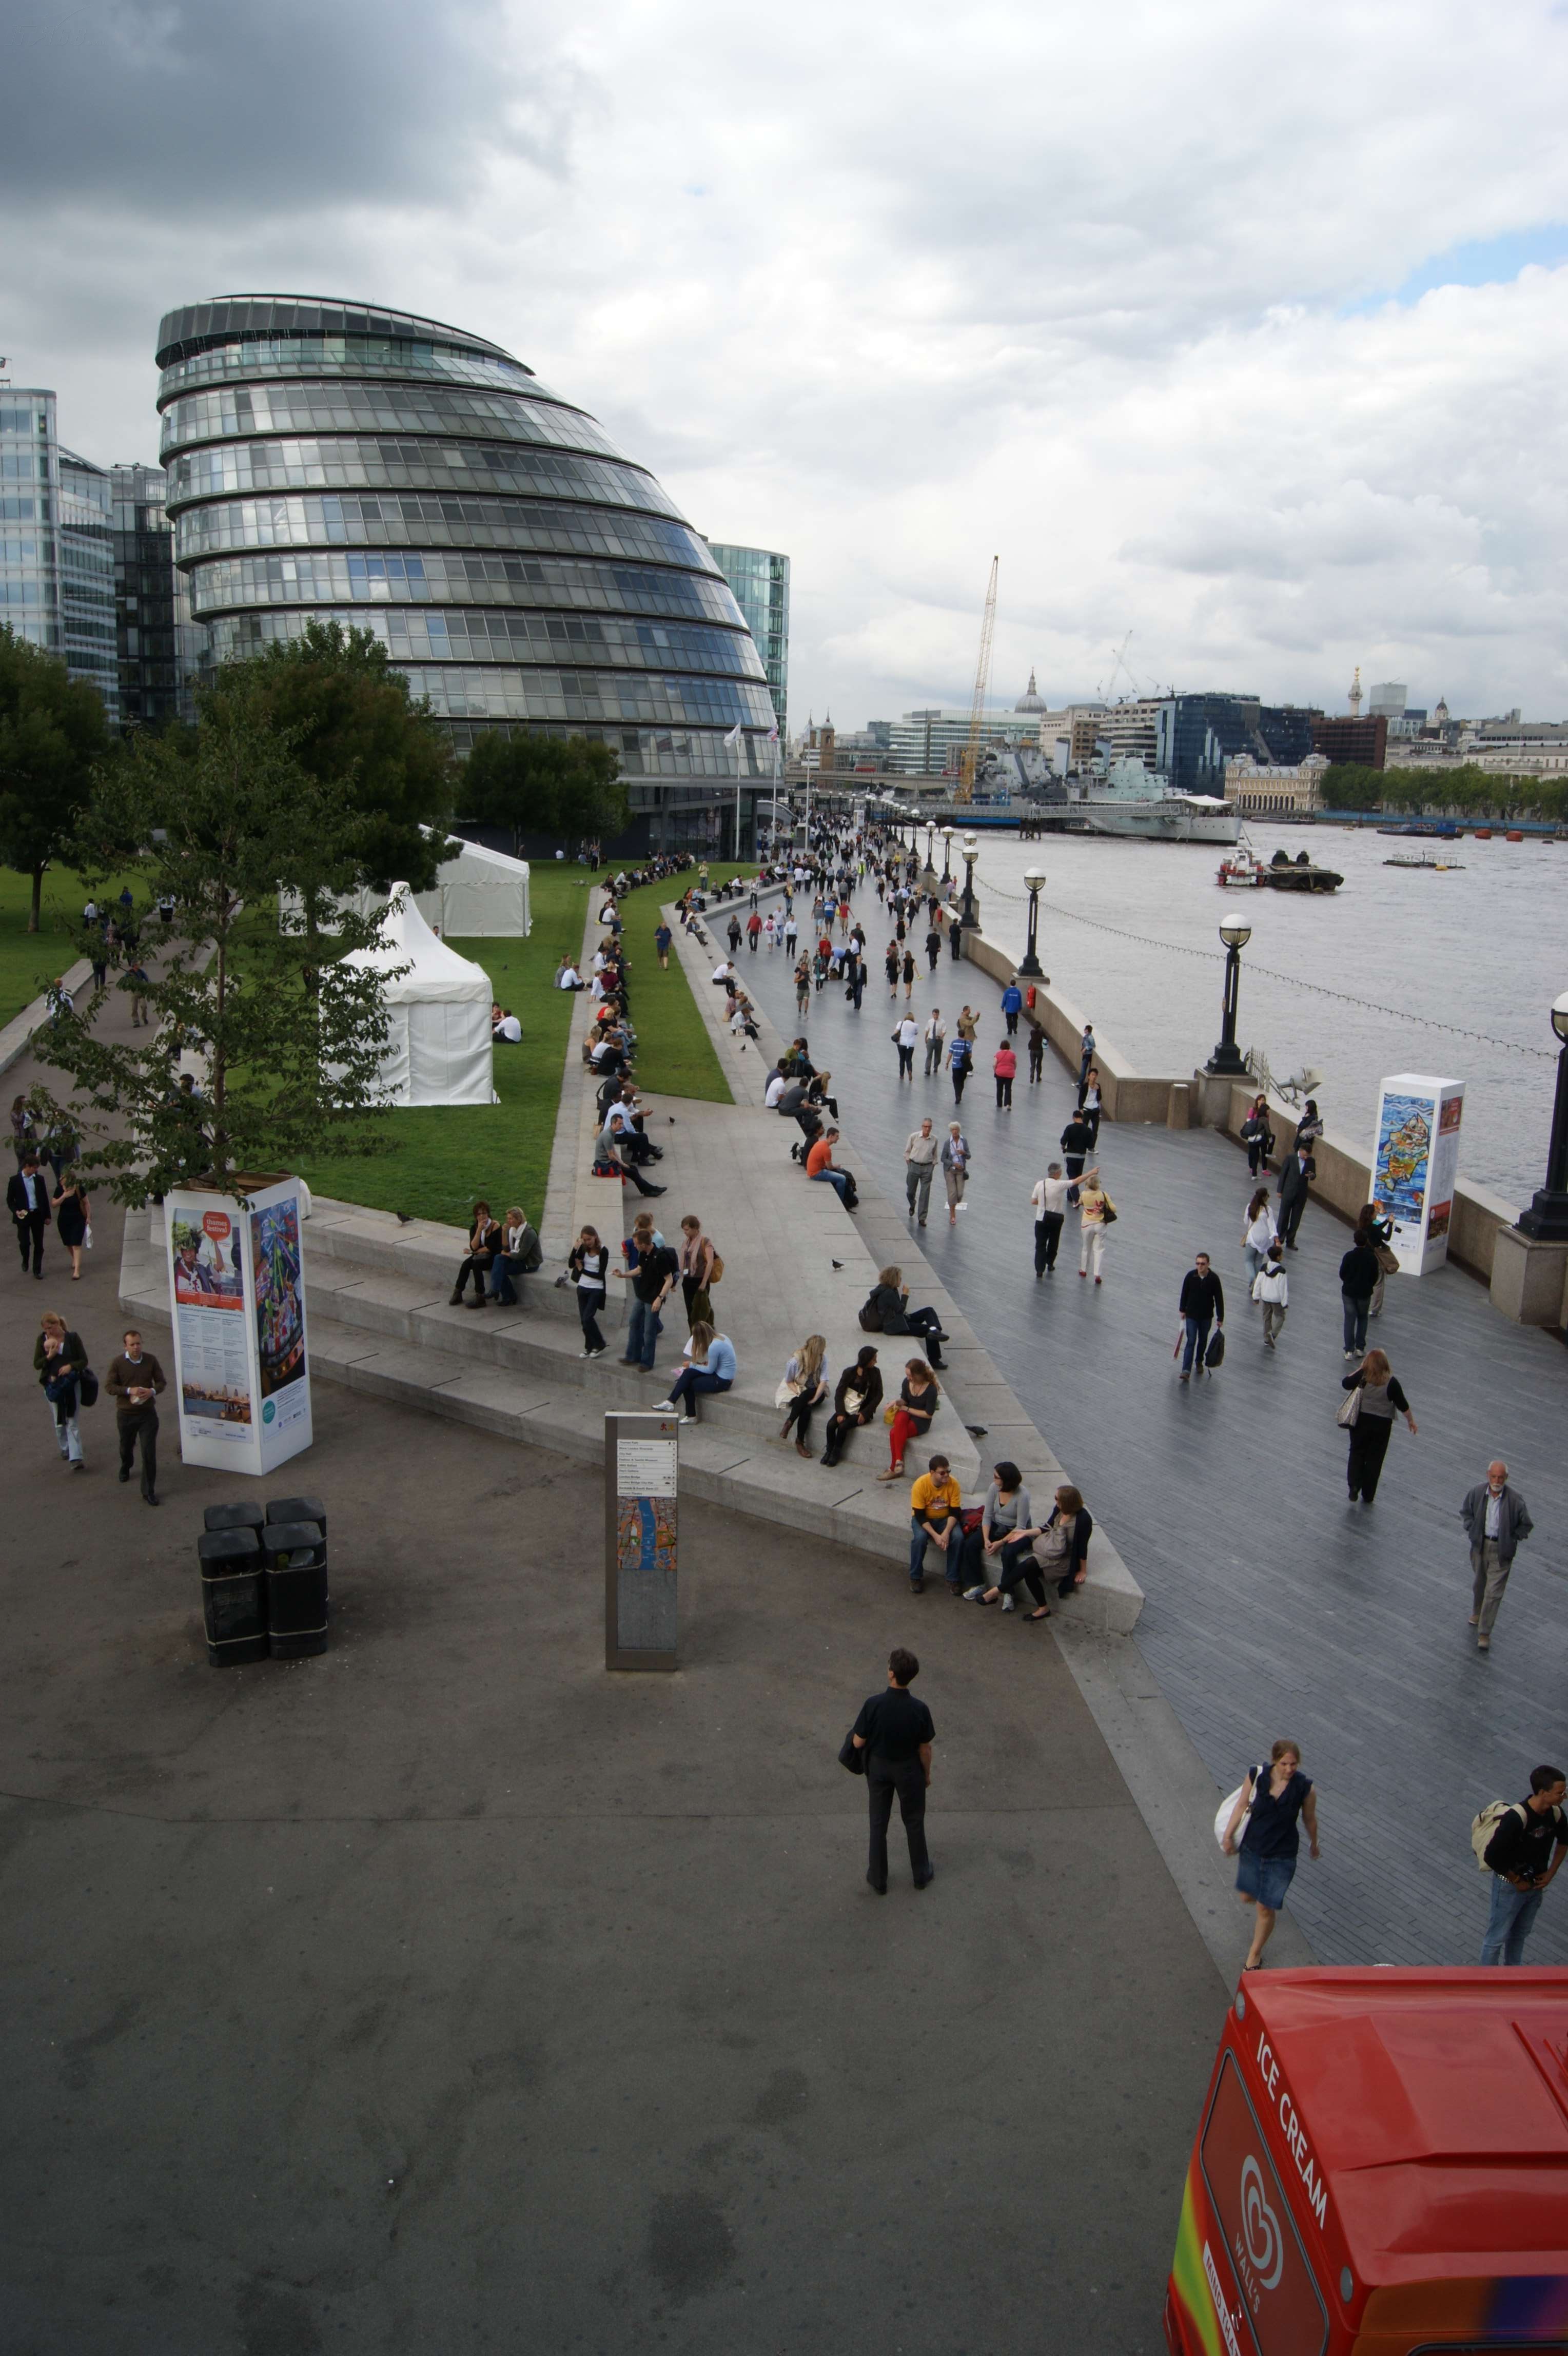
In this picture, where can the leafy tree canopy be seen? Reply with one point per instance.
(1467, 790)
(52, 730)
(566, 786)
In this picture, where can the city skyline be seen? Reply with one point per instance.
(1276, 390)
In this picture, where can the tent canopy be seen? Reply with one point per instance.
(438, 1013)
(480, 895)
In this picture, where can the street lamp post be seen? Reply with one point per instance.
(1235, 931)
(1035, 882)
(930, 836)
(968, 910)
(1546, 1221)
(947, 855)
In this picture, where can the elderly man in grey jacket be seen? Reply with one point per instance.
(1496, 1518)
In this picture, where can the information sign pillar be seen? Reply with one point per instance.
(642, 1623)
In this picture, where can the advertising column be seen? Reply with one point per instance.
(237, 1287)
(1415, 1165)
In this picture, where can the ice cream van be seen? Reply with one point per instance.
(1380, 2169)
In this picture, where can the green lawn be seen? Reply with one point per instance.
(448, 1155)
(29, 961)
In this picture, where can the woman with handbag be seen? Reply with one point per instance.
(1262, 1834)
(1380, 1229)
(588, 1267)
(72, 1213)
(1096, 1211)
(856, 1398)
(919, 1397)
(802, 1391)
(1257, 1137)
(698, 1261)
(60, 1360)
(1258, 1234)
(1375, 1397)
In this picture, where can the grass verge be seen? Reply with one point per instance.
(29, 961)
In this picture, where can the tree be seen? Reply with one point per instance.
(53, 729)
(566, 786)
(290, 1034)
(354, 725)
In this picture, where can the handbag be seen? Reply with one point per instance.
(1222, 1820)
(1215, 1354)
(786, 1392)
(890, 1412)
(87, 1238)
(851, 1754)
(1108, 1216)
(87, 1388)
(1351, 1409)
(853, 1402)
(1387, 1258)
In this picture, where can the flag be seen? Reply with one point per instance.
(773, 734)
(733, 736)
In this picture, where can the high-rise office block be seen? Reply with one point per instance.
(56, 565)
(760, 579)
(144, 599)
(1195, 735)
(338, 462)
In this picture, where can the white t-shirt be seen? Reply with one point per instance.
(1049, 1194)
(1263, 1231)
(509, 1029)
(776, 1088)
(722, 972)
(909, 1032)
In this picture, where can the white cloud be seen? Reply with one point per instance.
(1068, 282)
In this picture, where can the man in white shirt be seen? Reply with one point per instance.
(906, 1037)
(934, 1034)
(723, 973)
(509, 1030)
(921, 1152)
(1048, 1196)
(567, 977)
(776, 1087)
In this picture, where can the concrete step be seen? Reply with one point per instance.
(344, 1235)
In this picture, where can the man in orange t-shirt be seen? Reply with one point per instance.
(820, 1165)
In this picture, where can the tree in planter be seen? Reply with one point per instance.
(566, 786)
(290, 1039)
(52, 730)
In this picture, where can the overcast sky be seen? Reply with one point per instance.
(1240, 325)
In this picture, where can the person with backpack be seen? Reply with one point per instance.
(1262, 1834)
(1522, 1845)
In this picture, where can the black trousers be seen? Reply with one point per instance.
(1012, 1026)
(1047, 1236)
(1290, 1217)
(926, 1325)
(907, 1778)
(139, 1423)
(799, 1417)
(1004, 1092)
(30, 1238)
(477, 1266)
(589, 1304)
(1368, 1446)
(906, 1063)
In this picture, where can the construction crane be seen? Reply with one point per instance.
(971, 758)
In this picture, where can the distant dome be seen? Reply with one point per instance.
(1030, 701)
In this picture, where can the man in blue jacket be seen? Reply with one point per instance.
(1012, 1007)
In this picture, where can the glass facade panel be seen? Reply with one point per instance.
(57, 559)
(146, 611)
(330, 460)
(760, 580)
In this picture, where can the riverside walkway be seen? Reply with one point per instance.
(1272, 1606)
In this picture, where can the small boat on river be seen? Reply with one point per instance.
(1433, 866)
(1284, 874)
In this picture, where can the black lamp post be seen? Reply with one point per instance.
(930, 836)
(1546, 1221)
(967, 908)
(947, 855)
(1034, 878)
(1235, 931)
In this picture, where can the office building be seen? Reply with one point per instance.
(1363, 743)
(57, 564)
(931, 743)
(338, 462)
(1386, 701)
(146, 613)
(1128, 730)
(760, 579)
(1195, 735)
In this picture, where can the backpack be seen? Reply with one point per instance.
(1483, 1827)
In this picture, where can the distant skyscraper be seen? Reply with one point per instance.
(144, 598)
(56, 565)
(1194, 735)
(1386, 701)
(760, 579)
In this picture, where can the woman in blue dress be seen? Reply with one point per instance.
(1264, 1837)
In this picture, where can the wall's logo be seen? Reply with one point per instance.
(1261, 2227)
(270, 1408)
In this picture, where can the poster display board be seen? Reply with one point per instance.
(237, 1300)
(1415, 1164)
(641, 1595)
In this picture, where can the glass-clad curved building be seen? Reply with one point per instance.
(338, 461)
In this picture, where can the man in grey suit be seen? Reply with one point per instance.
(1496, 1518)
(1294, 1186)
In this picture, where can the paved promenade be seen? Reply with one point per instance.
(1272, 1606)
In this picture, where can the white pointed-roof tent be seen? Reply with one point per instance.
(480, 895)
(438, 1013)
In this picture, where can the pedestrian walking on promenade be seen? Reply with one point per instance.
(906, 1037)
(712, 1369)
(133, 1383)
(752, 930)
(803, 988)
(1308, 1129)
(654, 1270)
(1013, 1006)
(1037, 1055)
(802, 1391)
(1085, 1052)
(1048, 1196)
(1095, 1212)
(21, 1129)
(1271, 1290)
(968, 1024)
(1264, 1837)
(1005, 1071)
(59, 1359)
(1380, 1231)
(1294, 1182)
(1496, 1520)
(771, 930)
(1202, 1305)
(934, 1034)
(960, 1056)
(896, 1732)
(933, 946)
(890, 967)
(919, 1394)
(1075, 1141)
(1523, 1854)
(857, 1399)
(954, 1159)
(700, 1267)
(587, 1269)
(1375, 1399)
(27, 1200)
(792, 933)
(908, 972)
(1005, 1528)
(1258, 1232)
(920, 1151)
(1358, 1275)
(935, 1503)
(1089, 1105)
(886, 1310)
(733, 931)
(1257, 1137)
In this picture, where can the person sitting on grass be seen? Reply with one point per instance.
(567, 977)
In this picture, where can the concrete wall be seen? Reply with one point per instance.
(1126, 1095)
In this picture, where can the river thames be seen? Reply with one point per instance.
(1484, 950)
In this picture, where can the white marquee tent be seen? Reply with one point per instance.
(480, 895)
(438, 1013)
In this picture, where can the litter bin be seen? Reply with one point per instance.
(233, 1597)
(295, 1557)
(234, 1517)
(294, 1509)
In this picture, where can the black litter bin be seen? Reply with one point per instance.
(234, 1517)
(297, 1509)
(233, 1597)
(295, 1555)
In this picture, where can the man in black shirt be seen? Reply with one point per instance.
(895, 1733)
(1202, 1305)
(652, 1280)
(1524, 1853)
(1077, 1139)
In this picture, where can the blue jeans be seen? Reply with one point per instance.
(690, 1385)
(835, 1178)
(643, 1328)
(1508, 1926)
(1356, 1310)
(1197, 1342)
(919, 1540)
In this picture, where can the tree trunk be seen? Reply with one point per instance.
(34, 911)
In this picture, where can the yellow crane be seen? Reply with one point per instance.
(982, 690)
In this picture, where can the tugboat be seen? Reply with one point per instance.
(1243, 870)
(1284, 874)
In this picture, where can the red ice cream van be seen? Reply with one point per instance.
(1381, 2169)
